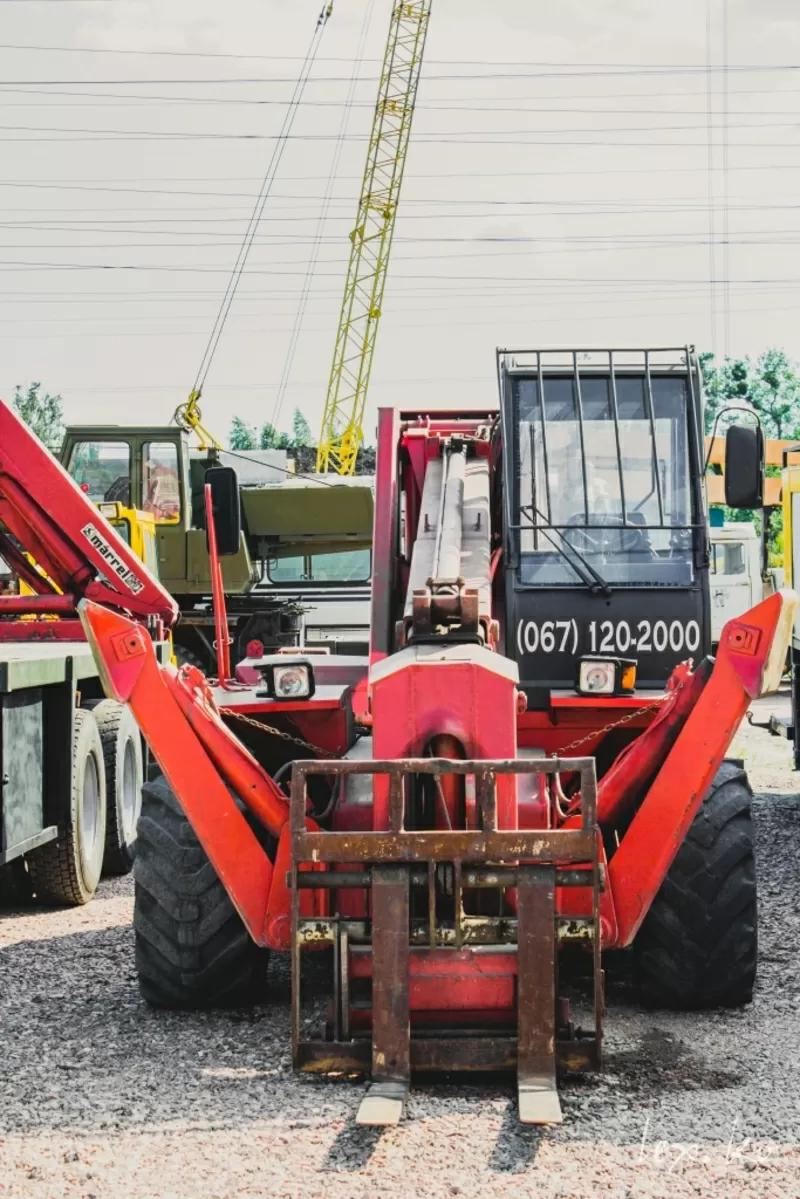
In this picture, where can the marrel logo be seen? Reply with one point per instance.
(112, 559)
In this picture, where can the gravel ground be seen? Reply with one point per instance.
(101, 1097)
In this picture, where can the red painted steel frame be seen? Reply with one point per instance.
(52, 519)
(638, 868)
(203, 763)
(223, 646)
(131, 674)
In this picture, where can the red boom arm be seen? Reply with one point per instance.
(51, 518)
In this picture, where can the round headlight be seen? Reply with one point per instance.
(597, 677)
(291, 682)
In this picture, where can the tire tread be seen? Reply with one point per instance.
(697, 946)
(192, 948)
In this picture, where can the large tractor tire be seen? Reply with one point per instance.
(68, 870)
(697, 945)
(124, 766)
(192, 949)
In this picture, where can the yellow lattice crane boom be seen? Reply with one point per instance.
(342, 431)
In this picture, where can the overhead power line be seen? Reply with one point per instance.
(321, 220)
(263, 195)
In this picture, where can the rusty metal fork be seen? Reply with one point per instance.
(391, 1028)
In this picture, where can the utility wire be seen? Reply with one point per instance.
(726, 253)
(712, 265)
(263, 195)
(323, 217)
(291, 473)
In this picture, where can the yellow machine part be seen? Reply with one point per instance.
(136, 528)
(371, 240)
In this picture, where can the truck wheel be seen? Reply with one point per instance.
(122, 751)
(697, 945)
(192, 949)
(67, 871)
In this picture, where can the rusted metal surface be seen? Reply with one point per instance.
(565, 845)
(445, 966)
(536, 998)
(441, 1054)
(500, 877)
(475, 930)
(391, 1034)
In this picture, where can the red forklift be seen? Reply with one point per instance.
(531, 764)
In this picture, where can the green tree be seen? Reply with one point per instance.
(242, 436)
(42, 413)
(728, 383)
(770, 384)
(776, 392)
(302, 430)
(273, 439)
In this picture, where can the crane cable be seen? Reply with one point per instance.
(188, 415)
(326, 204)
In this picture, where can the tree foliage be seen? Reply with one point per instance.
(770, 384)
(246, 437)
(273, 439)
(42, 413)
(302, 429)
(242, 436)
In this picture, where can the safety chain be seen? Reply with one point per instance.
(615, 724)
(269, 728)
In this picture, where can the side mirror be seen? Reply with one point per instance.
(224, 486)
(744, 467)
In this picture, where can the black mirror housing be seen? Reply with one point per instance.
(224, 484)
(744, 467)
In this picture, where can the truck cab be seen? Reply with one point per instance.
(297, 534)
(155, 470)
(735, 578)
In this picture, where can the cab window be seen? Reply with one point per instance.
(343, 566)
(727, 558)
(102, 470)
(161, 488)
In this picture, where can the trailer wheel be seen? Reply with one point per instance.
(122, 751)
(192, 949)
(68, 870)
(697, 945)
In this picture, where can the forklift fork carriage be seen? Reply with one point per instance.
(389, 864)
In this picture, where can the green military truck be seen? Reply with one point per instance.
(284, 518)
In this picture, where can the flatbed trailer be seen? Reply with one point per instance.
(72, 765)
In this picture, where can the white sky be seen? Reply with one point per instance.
(575, 131)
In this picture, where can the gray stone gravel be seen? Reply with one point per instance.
(101, 1097)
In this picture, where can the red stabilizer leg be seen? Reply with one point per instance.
(750, 653)
(131, 674)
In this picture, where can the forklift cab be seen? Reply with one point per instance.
(606, 542)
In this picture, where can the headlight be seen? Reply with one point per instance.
(292, 682)
(597, 678)
(286, 680)
(606, 676)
